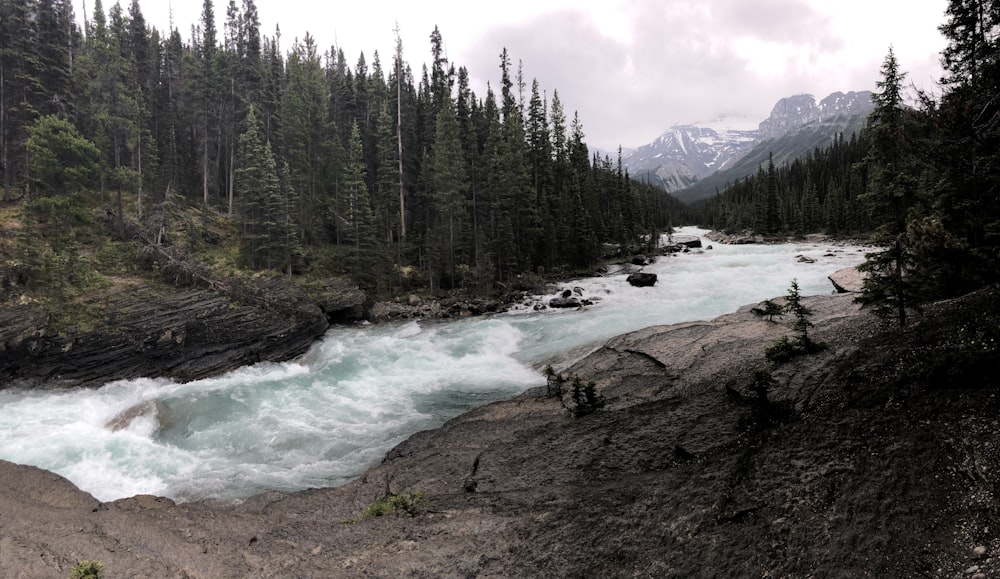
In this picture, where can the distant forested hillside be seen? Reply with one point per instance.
(819, 192)
(806, 140)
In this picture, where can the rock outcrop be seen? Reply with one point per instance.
(341, 300)
(848, 280)
(847, 462)
(147, 331)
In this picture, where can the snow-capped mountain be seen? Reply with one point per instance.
(684, 154)
(797, 111)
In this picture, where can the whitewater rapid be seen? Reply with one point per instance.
(323, 419)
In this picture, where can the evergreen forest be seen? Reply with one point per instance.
(250, 156)
(247, 156)
(921, 181)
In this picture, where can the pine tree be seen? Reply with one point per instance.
(62, 160)
(21, 88)
(208, 89)
(261, 206)
(891, 190)
(56, 28)
(308, 135)
(386, 179)
(360, 219)
(448, 182)
(540, 162)
(802, 323)
(965, 155)
(772, 217)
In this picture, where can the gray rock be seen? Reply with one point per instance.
(641, 279)
(148, 331)
(689, 241)
(848, 280)
(562, 303)
(155, 408)
(341, 300)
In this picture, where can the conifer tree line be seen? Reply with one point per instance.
(319, 163)
(819, 192)
(923, 177)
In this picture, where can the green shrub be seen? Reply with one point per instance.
(784, 349)
(553, 381)
(781, 351)
(412, 503)
(87, 570)
(772, 309)
(585, 397)
(801, 312)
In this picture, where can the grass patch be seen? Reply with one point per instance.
(412, 503)
(118, 258)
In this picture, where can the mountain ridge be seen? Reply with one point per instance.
(686, 154)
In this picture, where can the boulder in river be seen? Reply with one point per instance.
(125, 418)
(689, 241)
(564, 303)
(641, 279)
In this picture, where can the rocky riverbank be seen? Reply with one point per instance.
(148, 330)
(191, 324)
(865, 459)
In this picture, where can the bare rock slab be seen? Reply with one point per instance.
(847, 280)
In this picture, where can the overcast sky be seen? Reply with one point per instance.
(632, 68)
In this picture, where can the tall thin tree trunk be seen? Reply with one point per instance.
(218, 153)
(232, 151)
(451, 246)
(139, 165)
(232, 177)
(3, 137)
(121, 215)
(399, 134)
(204, 169)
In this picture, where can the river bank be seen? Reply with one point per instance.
(204, 325)
(860, 464)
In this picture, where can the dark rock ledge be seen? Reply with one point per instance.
(184, 334)
(855, 466)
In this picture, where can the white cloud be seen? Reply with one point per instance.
(632, 68)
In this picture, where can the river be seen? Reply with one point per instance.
(323, 419)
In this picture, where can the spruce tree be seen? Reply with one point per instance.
(261, 205)
(890, 195)
(308, 135)
(966, 153)
(21, 88)
(449, 183)
(360, 220)
(801, 325)
(62, 160)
